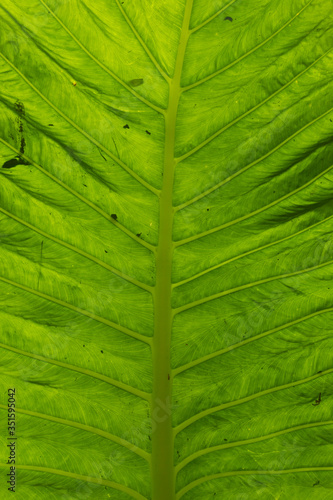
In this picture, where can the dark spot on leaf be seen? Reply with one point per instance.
(207, 209)
(114, 216)
(51, 125)
(105, 251)
(14, 162)
(11, 163)
(85, 185)
(168, 376)
(102, 352)
(23, 144)
(225, 439)
(20, 108)
(126, 126)
(320, 372)
(147, 132)
(138, 235)
(228, 19)
(316, 484)
(84, 345)
(136, 82)
(20, 127)
(149, 438)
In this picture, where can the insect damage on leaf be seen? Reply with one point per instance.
(14, 162)
(11, 163)
(22, 145)
(19, 106)
(318, 401)
(232, 284)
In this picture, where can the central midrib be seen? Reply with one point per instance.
(163, 472)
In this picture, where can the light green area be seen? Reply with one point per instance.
(166, 292)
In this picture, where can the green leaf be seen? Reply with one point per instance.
(166, 249)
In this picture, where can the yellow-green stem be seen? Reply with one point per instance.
(163, 472)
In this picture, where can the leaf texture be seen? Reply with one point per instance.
(166, 309)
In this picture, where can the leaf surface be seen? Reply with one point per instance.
(166, 248)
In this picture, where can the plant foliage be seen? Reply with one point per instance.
(166, 248)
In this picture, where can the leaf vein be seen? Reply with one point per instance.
(82, 198)
(78, 310)
(248, 285)
(139, 179)
(101, 65)
(115, 271)
(84, 371)
(218, 72)
(275, 202)
(258, 249)
(199, 26)
(220, 352)
(88, 479)
(142, 43)
(236, 444)
(197, 482)
(236, 120)
(246, 399)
